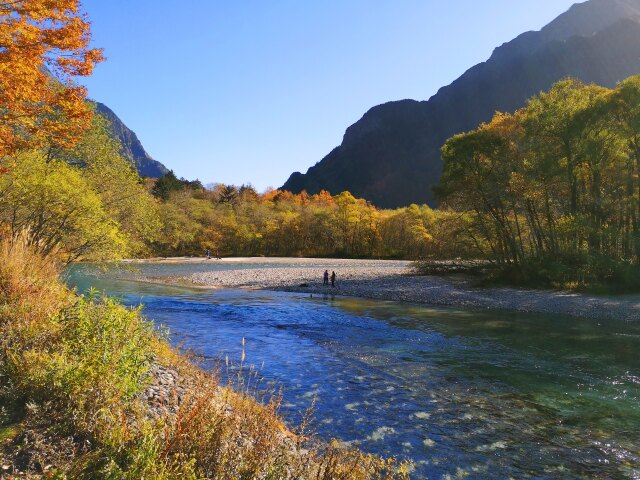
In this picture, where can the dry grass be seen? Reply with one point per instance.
(73, 371)
(27, 281)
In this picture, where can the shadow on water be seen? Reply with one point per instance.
(489, 395)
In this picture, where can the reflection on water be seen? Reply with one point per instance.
(485, 395)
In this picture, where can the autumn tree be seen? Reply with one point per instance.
(228, 194)
(624, 108)
(44, 46)
(553, 190)
(117, 182)
(87, 202)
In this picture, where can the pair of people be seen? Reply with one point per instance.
(326, 279)
(208, 254)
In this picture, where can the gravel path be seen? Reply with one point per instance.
(390, 280)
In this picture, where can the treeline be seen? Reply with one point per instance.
(240, 221)
(89, 203)
(86, 202)
(549, 195)
(553, 191)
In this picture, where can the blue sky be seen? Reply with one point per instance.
(248, 91)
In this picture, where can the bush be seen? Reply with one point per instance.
(581, 272)
(73, 372)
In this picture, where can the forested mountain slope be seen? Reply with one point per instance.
(392, 155)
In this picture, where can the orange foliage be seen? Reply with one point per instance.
(44, 45)
(269, 195)
(286, 196)
(323, 198)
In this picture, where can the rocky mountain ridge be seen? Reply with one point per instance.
(132, 148)
(391, 156)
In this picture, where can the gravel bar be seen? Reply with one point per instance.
(392, 280)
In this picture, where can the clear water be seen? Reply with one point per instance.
(482, 395)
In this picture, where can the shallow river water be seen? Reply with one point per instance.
(462, 394)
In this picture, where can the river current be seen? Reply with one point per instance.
(462, 394)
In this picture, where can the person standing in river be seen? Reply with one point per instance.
(325, 281)
(333, 279)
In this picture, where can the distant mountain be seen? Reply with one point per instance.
(132, 149)
(392, 155)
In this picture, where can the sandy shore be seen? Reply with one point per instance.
(391, 280)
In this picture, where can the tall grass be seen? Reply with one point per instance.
(28, 282)
(73, 370)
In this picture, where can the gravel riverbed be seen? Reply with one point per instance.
(392, 280)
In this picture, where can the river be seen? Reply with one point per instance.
(462, 394)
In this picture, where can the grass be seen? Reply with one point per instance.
(9, 432)
(73, 375)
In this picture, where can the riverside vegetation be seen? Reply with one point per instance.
(238, 221)
(550, 193)
(553, 191)
(75, 369)
(547, 196)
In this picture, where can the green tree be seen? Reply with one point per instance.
(165, 185)
(85, 203)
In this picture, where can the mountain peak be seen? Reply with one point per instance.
(582, 19)
(587, 18)
(392, 155)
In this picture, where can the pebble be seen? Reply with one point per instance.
(392, 280)
(165, 393)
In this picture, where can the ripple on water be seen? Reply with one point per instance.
(381, 433)
(427, 442)
(481, 395)
(421, 415)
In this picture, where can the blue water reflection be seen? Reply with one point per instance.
(460, 393)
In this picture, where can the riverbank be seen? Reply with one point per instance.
(393, 280)
(427, 384)
(90, 389)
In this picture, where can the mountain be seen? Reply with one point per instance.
(132, 149)
(391, 156)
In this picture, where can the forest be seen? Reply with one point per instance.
(553, 190)
(89, 203)
(240, 221)
(546, 196)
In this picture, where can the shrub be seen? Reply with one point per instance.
(73, 369)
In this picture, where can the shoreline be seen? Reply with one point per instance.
(391, 280)
(432, 291)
